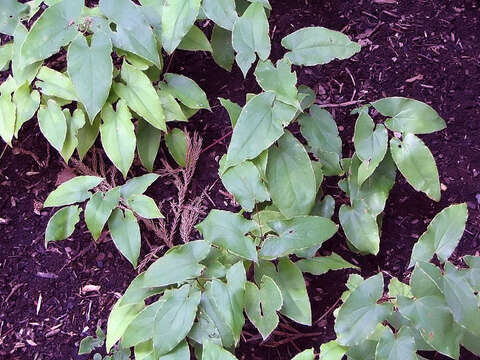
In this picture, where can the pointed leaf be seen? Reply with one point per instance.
(223, 52)
(318, 45)
(54, 83)
(396, 347)
(176, 142)
(118, 136)
(323, 264)
(332, 351)
(148, 143)
(221, 12)
(98, 210)
(90, 68)
(125, 234)
(417, 164)
(195, 40)
(187, 91)
(119, 319)
(22, 71)
(140, 329)
(409, 115)
(442, 236)
(144, 206)
(74, 122)
(10, 14)
(212, 351)
(233, 110)
(72, 191)
(62, 224)
(7, 118)
(87, 135)
(138, 185)
(27, 104)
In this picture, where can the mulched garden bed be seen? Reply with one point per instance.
(427, 50)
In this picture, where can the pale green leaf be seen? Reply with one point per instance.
(11, 12)
(119, 319)
(223, 52)
(221, 12)
(306, 96)
(118, 136)
(55, 28)
(332, 351)
(195, 40)
(72, 191)
(289, 278)
(132, 31)
(298, 233)
(7, 118)
(228, 230)
(417, 165)
(148, 143)
(212, 351)
(140, 96)
(140, 329)
(305, 355)
(400, 346)
(87, 135)
(409, 115)
(125, 234)
(144, 206)
(244, 183)
(176, 141)
(90, 68)
(21, 70)
(62, 224)
(54, 83)
(233, 110)
(187, 91)
(172, 109)
(6, 54)
(250, 37)
(323, 264)
(27, 104)
(261, 305)
(442, 236)
(138, 185)
(74, 122)
(180, 352)
(318, 45)
(360, 314)
(179, 264)
(257, 128)
(98, 210)
(290, 177)
(177, 19)
(324, 208)
(137, 291)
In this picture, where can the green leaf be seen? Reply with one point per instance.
(90, 343)
(324, 208)
(306, 96)
(221, 12)
(227, 230)
(432, 317)
(177, 19)
(173, 110)
(74, 122)
(323, 264)
(426, 280)
(132, 31)
(7, 118)
(98, 210)
(289, 278)
(54, 83)
(317, 45)
(332, 351)
(179, 264)
(72, 191)
(473, 273)
(244, 183)
(187, 91)
(442, 236)
(397, 288)
(55, 28)
(138, 185)
(144, 206)
(119, 319)
(152, 10)
(321, 133)
(224, 304)
(290, 177)
(409, 116)
(363, 351)
(461, 299)
(176, 141)
(204, 329)
(118, 136)
(87, 135)
(212, 351)
(26, 103)
(233, 110)
(360, 314)
(137, 291)
(417, 165)
(250, 36)
(6, 54)
(91, 68)
(180, 352)
(396, 347)
(360, 227)
(21, 70)
(371, 145)
(125, 234)
(298, 233)
(195, 40)
(174, 319)
(305, 355)
(261, 305)
(10, 14)
(140, 96)
(222, 48)
(280, 79)
(257, 128)
(148, 143)
(62, 224)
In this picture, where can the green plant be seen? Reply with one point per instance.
(437, 311)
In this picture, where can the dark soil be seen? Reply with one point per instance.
(422, 49)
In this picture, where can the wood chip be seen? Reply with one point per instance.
(415, 78)
(385, 1)
(90, 288)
